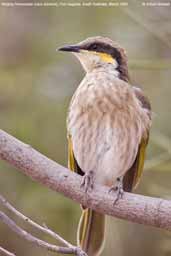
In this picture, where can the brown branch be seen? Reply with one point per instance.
(5, 252)
(136, 208)
(36, 241)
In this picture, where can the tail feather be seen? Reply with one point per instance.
(91, 228)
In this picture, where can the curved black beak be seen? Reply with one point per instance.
(70, 48)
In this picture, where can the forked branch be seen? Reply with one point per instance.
(36, 241)
(66, 249)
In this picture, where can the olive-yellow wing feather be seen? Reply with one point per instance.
(133, 175)
(72, 163)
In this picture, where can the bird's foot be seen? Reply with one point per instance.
(88, 180)
(118, 189)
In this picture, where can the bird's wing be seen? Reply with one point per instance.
(72, 163)
(132, 177)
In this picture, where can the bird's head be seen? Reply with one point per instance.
(100, 51)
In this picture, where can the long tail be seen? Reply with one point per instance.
(90, 234)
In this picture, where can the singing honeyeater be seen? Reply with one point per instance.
(108, 128)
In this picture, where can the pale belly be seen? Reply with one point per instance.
(106, 145)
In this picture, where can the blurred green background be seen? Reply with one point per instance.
(36, 84)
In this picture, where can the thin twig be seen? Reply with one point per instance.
(46, 230)
(36, 241)
(145, 18)
(5, 252)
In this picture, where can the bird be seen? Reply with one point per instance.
(108, 125)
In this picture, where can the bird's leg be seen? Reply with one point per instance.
(88, 180)
(118, 188)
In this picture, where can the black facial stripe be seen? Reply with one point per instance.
(114, 52)
(104, 48)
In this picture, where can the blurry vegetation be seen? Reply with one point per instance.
(36, 84)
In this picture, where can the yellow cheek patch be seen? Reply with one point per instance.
(106, 57)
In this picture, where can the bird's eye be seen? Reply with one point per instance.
(94, 47)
